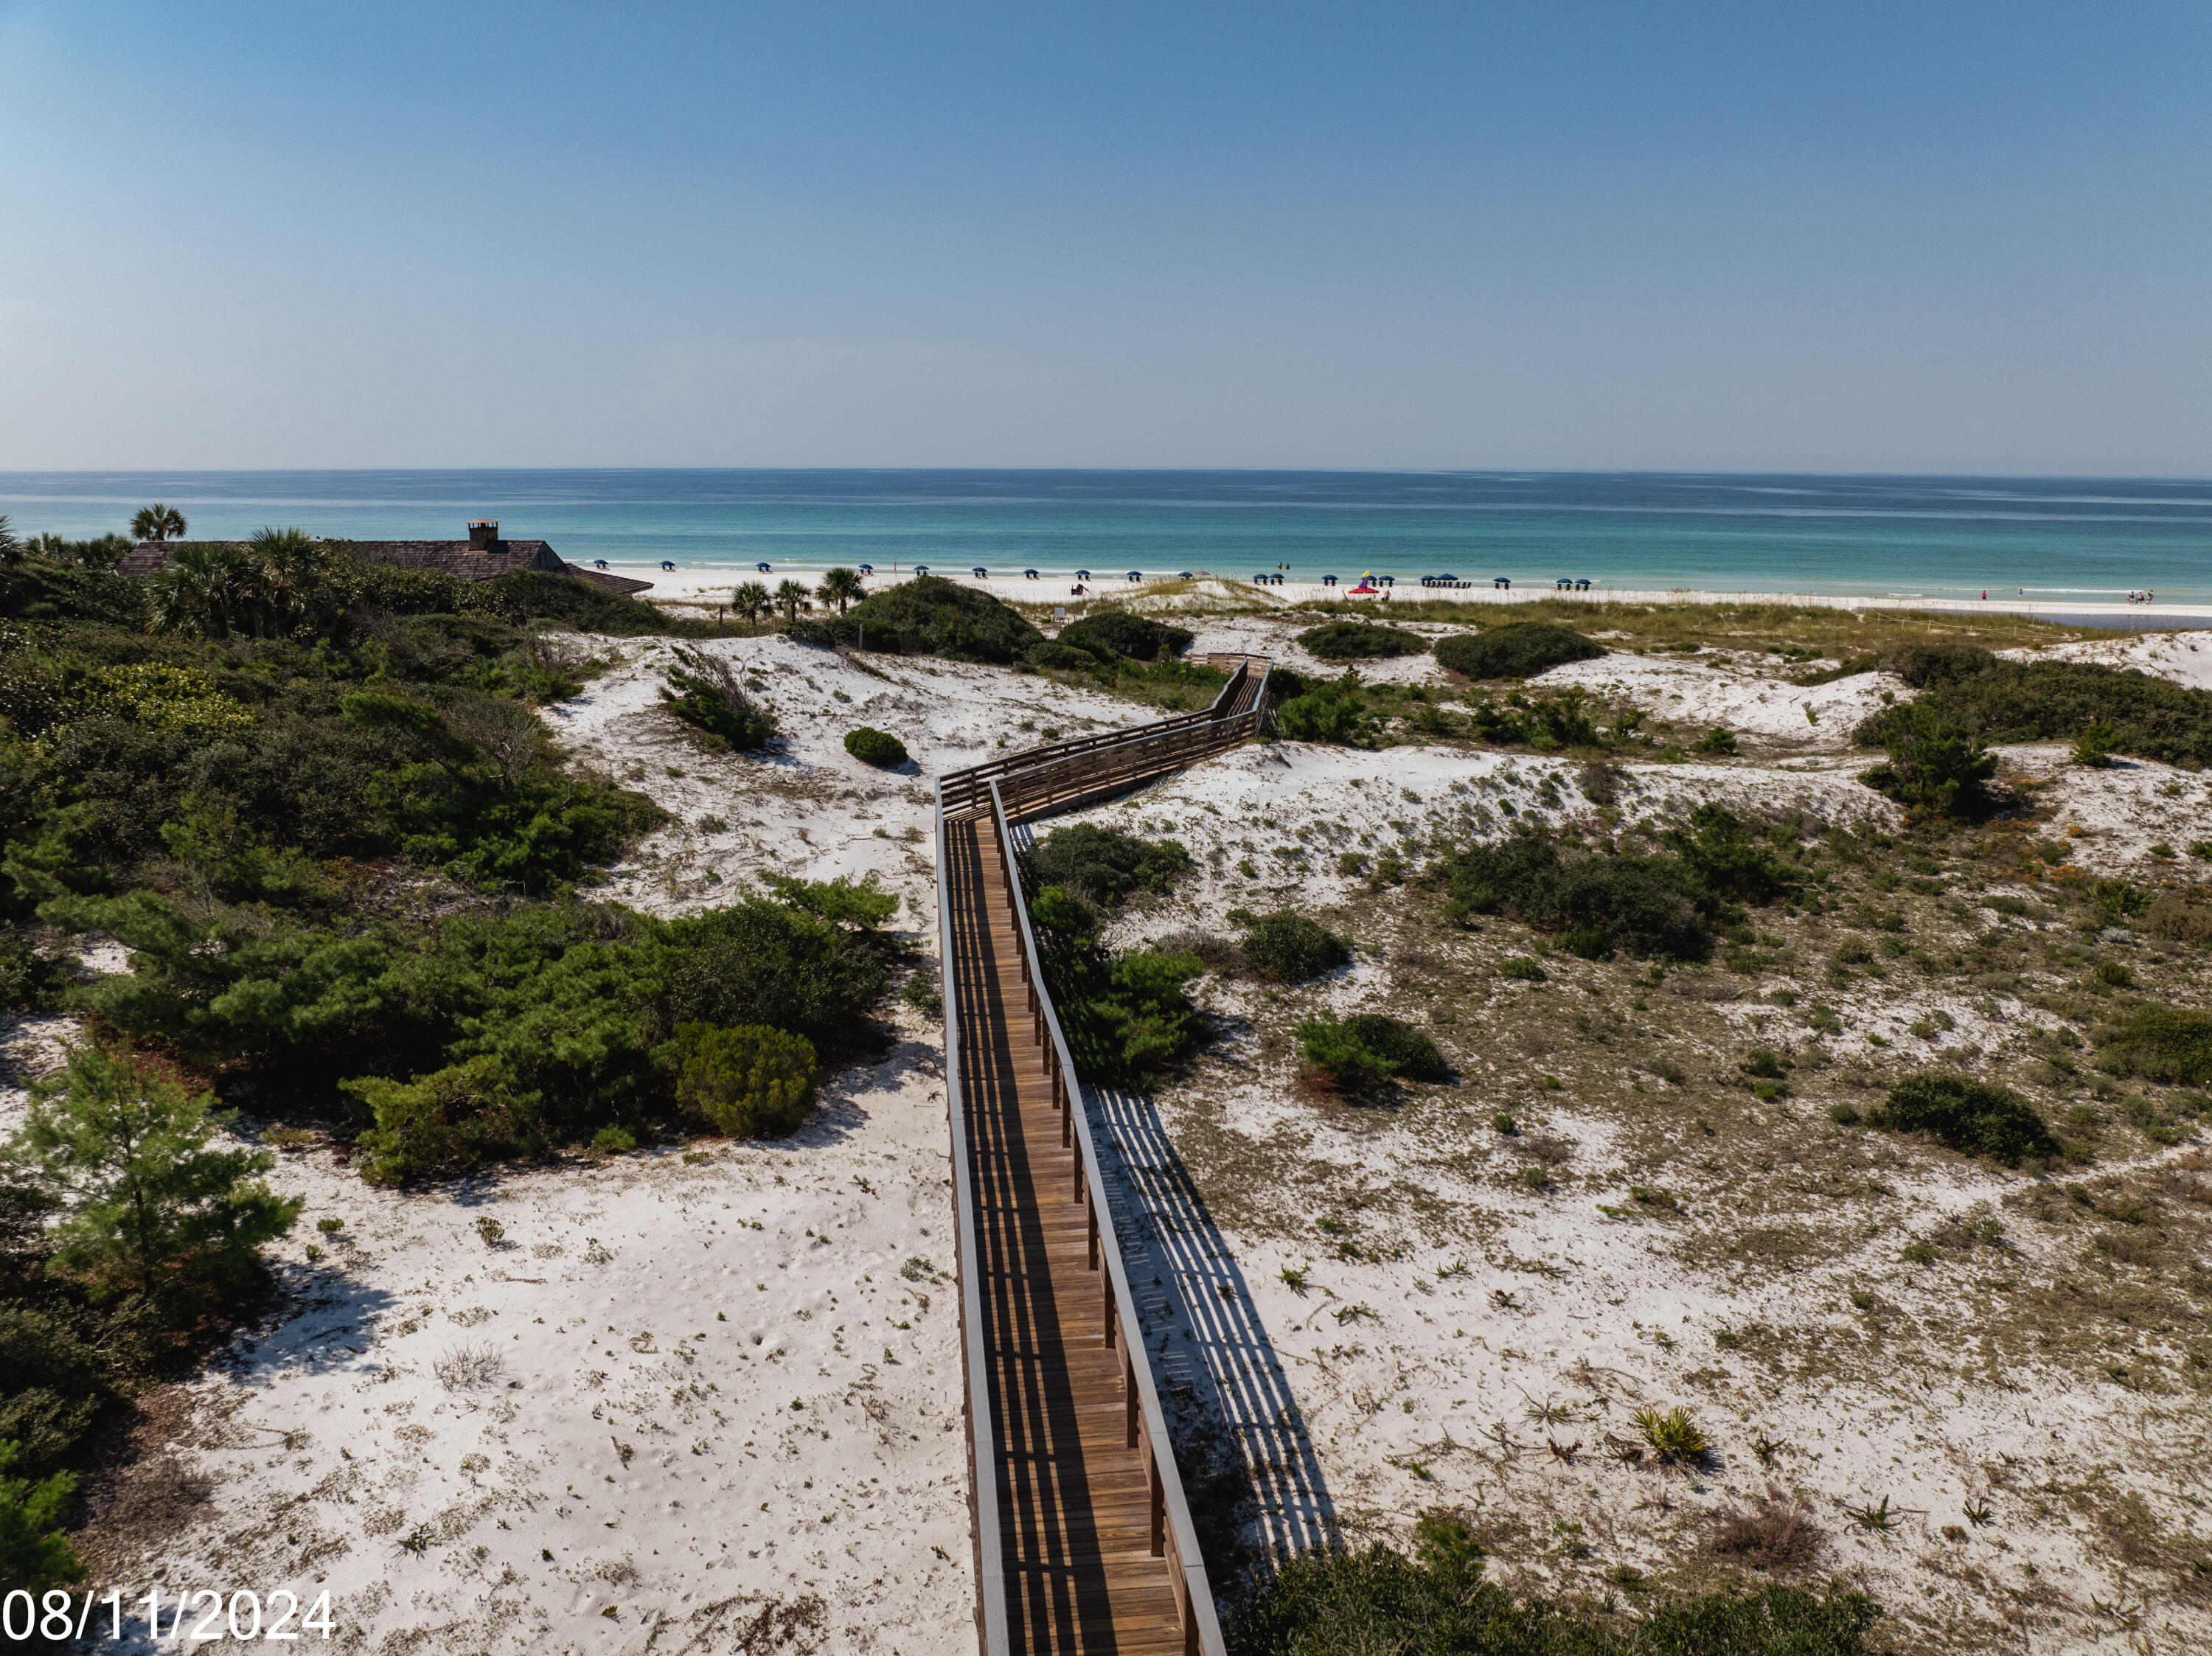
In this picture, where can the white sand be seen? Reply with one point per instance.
(710, 587)
(341, 1461)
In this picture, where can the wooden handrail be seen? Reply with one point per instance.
(967, 1266)
(1174, 1536)
(961, 791)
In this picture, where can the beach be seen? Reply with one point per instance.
(706, 588)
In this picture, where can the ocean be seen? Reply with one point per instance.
(2086, 540)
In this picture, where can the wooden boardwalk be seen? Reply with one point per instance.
(1074, 1495)
(1084, 1541)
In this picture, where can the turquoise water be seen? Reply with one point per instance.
(2056, 539)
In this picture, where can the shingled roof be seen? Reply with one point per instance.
(461, 559)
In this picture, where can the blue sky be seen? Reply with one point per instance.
(1920, 237)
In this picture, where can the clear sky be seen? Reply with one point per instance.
(1863, 236)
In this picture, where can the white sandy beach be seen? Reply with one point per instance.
(709, 587)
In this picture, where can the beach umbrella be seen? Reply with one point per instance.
(867, 569)
(922, 569)
(1135, 575)
(1083, 574)
(761, 567)
(1031, 573)
(979, 571)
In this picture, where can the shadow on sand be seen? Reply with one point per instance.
(1248, 1463)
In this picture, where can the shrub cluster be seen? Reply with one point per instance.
(1934, 762)
(126, 1237)
(1997, 702)
(1663, 907)
(927, 616)
(1124, 1012)
(1288, 948)
(1518, 649)
(707, 693)
(1377, 1600)
(1324, 710)
(1643, 905)
(749, 1082)
(1967, 1116)
(877, 748)
(1362, 1052)
(1360, 641)
(1104, 865)
(1113, 634)
(2171, 1044)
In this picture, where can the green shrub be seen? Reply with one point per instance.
(1288, 948)
(2171, 1044)
(759, 962)
(927, 616)
(875, 748)
(1650, 907)
(2099, 741)
(35, 1553)
(1518, 649)
(1544, 723)
(1063, 657)
(1934, 762)
(2103, 710)
(1967, 1116)
(1722, 853)
(1327, 712)
(1368, 1048)
(1113, 633)
(1126, 1016)
(750, 1082)
(861, 904)
(1930, 666)
(1104, 866)
(1334, 1052)
(1523, 969)
(1717, 741)
(55, 1382)
(1377, 1601)
(708, 692)
(151, 1206)
(1359, 640)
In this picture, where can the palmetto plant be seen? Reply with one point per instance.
(790, 597)
(751, 600)
(157, 523)
(291, 570)
(1671, 1433)
(204, 589)
(840, 586)
(276, 583)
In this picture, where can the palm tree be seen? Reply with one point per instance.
(207, 589)
(288, 568)
(840, 586)
(158, 522)
(751, 600)
(789, 598)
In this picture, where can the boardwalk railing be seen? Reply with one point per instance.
(1088, 767)
(1032, 784)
